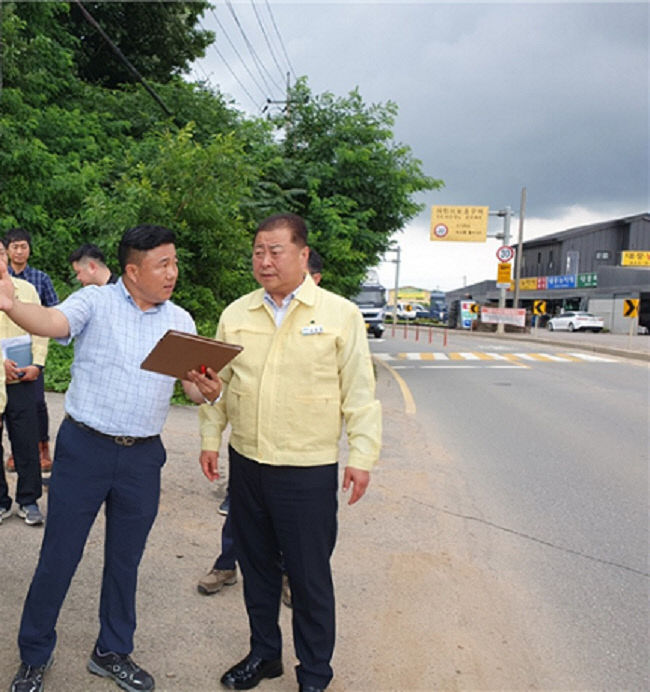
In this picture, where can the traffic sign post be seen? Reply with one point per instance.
(505, 253)
(631, 310)
(631, 307)
(539, 307)
(503, 275)
(454, 223)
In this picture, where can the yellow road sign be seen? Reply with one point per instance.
(631, 307)
(468, 224)
(539, 307)
(503, 275)
(475, 308)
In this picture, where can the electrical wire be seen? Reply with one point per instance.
(277, 31)
(232, 45)
(261, 68)
(266, 38)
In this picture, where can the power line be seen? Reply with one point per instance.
(225, 62)
(232, 45)
(277, 31)
(266, 38)
(256, 60)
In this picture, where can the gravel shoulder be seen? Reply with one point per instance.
(416, 611)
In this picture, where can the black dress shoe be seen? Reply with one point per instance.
(309, 688)
(247, 673)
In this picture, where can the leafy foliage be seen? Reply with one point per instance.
(84, 155)
(158, 54)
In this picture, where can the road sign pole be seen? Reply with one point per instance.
(506, 213)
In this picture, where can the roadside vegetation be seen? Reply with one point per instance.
(86, 153)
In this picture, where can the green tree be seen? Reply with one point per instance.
(160, 39)
(195, 189)
(348, 177)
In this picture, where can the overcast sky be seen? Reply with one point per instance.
(492, 97)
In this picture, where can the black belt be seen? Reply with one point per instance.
(122, 440)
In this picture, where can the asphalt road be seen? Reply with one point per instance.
(551, 447)
(485, 555)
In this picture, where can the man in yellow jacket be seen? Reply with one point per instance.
(20, 412)
(304, 369)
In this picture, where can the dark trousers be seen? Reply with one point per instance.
(22, 428)
(90, 470)
(227, 558)
(289, 511)
(41, 410)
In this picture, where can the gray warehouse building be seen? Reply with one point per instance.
(595, 267)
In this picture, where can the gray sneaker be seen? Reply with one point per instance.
(5, 513)
(122, 669)
(29, 678)
(31, 514)
(215, 580)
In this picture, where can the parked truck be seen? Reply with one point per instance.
(371, 300)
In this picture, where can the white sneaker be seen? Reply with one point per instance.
(4, 513)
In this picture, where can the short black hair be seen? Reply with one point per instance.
(296, 224)
(142, 238)
(315, 262)
(88, 250)
(17, 234)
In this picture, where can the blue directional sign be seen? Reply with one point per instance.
(561, 281)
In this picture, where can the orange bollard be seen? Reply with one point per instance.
(417, 332)
(444, 338)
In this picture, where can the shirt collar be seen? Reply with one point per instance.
(25, 270)
(129, 298)
(305, 293)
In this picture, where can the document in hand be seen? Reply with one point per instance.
(177, 352)
(18, 349)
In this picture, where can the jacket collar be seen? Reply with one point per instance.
(305, 293)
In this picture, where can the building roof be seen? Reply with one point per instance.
(561, 236)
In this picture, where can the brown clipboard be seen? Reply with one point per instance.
(177, 352)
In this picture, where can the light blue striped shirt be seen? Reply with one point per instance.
(112, 336)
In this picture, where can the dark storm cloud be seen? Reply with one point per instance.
(496, 96)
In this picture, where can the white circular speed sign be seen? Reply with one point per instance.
(505, 253)
(440, 231)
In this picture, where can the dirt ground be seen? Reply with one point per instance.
(415, 610)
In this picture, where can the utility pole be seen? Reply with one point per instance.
(506, 213)
(520, 245)
(396, 249)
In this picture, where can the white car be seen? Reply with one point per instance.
(406, 311)
(575, 321)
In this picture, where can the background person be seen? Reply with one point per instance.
(304, 367)
(315, 265)
(19, 406)
(89, 265)
(19, 246)
(108, 448)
